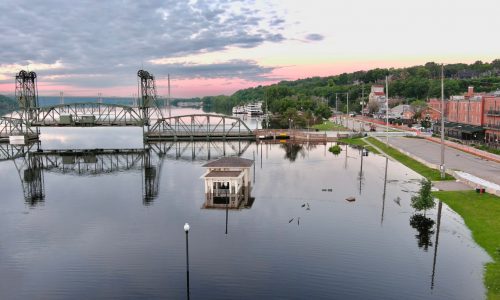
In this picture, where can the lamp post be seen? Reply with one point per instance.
(347, 112)
(386, 111)
(441, 167)
(186, 229)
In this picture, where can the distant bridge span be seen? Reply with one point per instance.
(199, 127)
(88, 114)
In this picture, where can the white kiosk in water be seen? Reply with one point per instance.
(227, 183)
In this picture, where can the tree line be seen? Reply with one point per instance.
(312, 96)
(411, 83)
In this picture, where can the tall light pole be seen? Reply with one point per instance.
(386, 111)
(443, 174)
(363, 100)
(347, 104)
(336, 98)
(336, 103)
(186, 229)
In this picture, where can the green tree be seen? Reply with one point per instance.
(424, 200)
(424, 227)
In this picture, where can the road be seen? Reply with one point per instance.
(431, 152)
(454, 159)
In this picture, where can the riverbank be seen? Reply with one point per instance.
(481, 213)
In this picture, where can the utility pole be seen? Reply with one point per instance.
(168, 99)
(336, 103)
(386, 111)
(347, 116)
(442, 123)
(347, 104)
(363, 100)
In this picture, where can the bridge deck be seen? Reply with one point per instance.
(197, 136)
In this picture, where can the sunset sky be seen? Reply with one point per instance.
(218, 47)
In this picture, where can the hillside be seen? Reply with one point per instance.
(7, 105)
(412, 83)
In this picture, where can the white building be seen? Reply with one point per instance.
(227, 183)
(377, 95)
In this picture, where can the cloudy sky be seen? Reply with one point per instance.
(219, 46)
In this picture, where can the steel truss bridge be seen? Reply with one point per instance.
(87, 114)
(199, 127)
(147, 114)
(32, 162)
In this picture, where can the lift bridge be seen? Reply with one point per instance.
(32, 162)
(26, 122)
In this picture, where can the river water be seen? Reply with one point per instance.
(105, 234)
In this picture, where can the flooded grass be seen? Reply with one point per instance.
(481, 213)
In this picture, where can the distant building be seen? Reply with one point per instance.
(377, 95)
(479, 111)
(402, 111)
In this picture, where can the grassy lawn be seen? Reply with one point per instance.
(357, 141)
(481, 213)
(329, 126)
(420, 168)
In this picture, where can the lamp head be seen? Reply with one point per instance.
(186, 227)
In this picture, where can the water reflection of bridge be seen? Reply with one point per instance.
(32, 162)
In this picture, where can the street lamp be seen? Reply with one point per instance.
(441, 166)
(186, 229)
(347, 112)
(442, 123)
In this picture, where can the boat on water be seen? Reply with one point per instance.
(254, 109)
(239, 110)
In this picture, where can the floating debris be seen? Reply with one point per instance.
(323, 190)
(330, 190)
(350, 199)
(290, 220)
(303, 205)
(298, 221)
(308, 208)
(398, 201)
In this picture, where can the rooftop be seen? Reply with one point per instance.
(219, 174)
(230, 162)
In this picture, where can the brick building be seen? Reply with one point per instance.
(470, 116)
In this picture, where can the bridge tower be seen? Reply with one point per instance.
(27, 95)
(148, 100)
(30, 169)
(151, 174)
